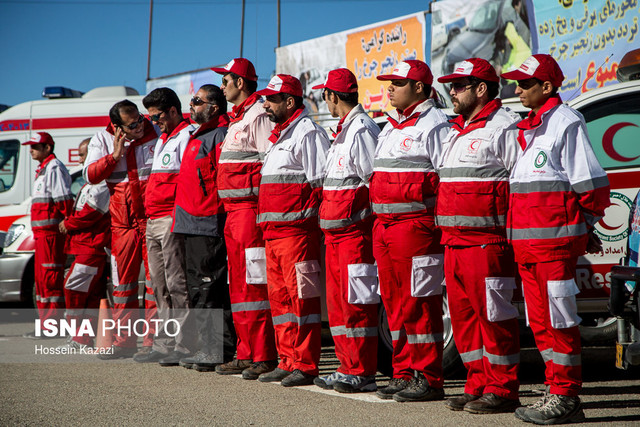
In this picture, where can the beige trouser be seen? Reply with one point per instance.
(167, 269)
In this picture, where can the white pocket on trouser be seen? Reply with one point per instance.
(562, 303)
(256, 266)
(363, 284)
(81, 277)
(427, 273)
(308, 277)
(499, 291)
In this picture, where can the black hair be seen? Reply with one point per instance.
(350, 98)
(125, 106)
(493, 88)
(163, 99)
(215, 95)
(252, 85)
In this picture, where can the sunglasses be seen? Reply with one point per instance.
(197, 101)
(399, 83)
(528, 83)
(135, 124)
(460, 87)
(156, 117)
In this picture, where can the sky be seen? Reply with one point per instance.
(82, 44)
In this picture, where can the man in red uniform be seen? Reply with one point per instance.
(164, 248)
(478, 155)
(238, 181)
(406, 244)
(199, 217)
(90, 230)
(290, 193)
(121, 155)
(346, 219)
(51, 202)
(559, 192)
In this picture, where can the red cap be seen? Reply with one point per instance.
(472, 67)
(40, 138)
(540, 66)
(240, 66)
(410, 69)
(282, 83)
(340, 80)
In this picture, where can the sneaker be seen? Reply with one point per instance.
(273, 376)
(519, 413)
(32, 336)
(491, 403)
(173, 359)
(71, 346)
(117, 352)
(395, 385)
(145, 349)
(259, 368)
(419, 390)
(208, 363)
(355, 384)
(557, 410)
(328, 381)
(188, 362)
(151, 357)
(457, 403)
(236, 366)
(297, 378)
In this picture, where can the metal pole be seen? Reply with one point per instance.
(242, 29)
(149, 48)
(278, 23)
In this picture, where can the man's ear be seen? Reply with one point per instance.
(240, 83)
(419, 87)
(291, 103)
(547, 88)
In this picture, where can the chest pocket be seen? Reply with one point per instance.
(474, 150)
(408, 144)
(237, 138)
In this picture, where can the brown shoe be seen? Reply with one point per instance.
(457, 403)
(146, 349)
(491, 403)
(254, 371)
(236, 366)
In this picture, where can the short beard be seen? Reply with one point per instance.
(465, 109)
(203, 116)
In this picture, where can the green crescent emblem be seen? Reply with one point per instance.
(541, 159)
(165, 159)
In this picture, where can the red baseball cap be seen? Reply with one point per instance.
(240, 66)
(340, 80)
(282, 83)
(40, 138)
(410, 69)
(540, 66)
(472, 67)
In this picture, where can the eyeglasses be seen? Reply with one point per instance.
(197, 101)
(132, 126)
(156, 117)
(460, 87)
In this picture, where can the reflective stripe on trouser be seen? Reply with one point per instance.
(128, 253)
(416, 323)
(83, 290)
(49, 275)
(353, 326)
(296, 321)
(490, 350)
(560, 348)
(165, 251)
(206, 264)
(250, 302)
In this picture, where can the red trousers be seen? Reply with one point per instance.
(549, 293)
(409, 259)
(354, 327)
(249, 301)
(129, 251)
(83, 288)
(293, 270)
(480, 285)
(49, 275)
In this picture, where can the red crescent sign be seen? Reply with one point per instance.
(605, 225)
(607, 142)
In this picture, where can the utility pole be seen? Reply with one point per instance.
(278, 23)
(242, 29)
(149, 48)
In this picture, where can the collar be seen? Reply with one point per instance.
(400, 120)
(219, 121)
(280, 127)
(183, 124)
(348, 118)
(237, 112)
(44, 163)
(479, 120)
(534, 120)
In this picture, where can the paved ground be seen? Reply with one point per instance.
(79, 390)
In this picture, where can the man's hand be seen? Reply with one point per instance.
(62, 227)
(594, 245)
(118, 144)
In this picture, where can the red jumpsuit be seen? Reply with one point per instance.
(51, 202)
(126, 179)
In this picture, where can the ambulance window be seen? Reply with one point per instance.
(9, 152)
(77, 181)
(614, 130)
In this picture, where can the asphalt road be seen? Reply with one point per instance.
(80, 390)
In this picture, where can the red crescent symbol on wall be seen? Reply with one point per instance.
(605, 225)
(607, 142)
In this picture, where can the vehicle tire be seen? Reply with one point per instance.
(28, 286)
(451, 362)
(599, 330)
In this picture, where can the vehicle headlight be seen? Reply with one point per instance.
(15, 230)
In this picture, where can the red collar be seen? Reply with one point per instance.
(237, 112)
(340, 123)
(219, 121)
(42, 165)
(280, 127)
(534, 120)
(409, 110)
(183, 124)
(410, 117)
(479, 120)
